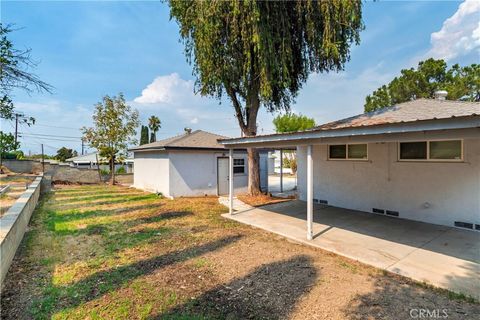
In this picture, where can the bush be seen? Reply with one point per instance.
(121, 170)
(104, 172)
(291, 163)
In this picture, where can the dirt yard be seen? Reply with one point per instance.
(18, 184)
(103, 252)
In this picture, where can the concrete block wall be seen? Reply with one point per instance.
(14, 223)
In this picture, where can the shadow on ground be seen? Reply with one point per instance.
(269, 292)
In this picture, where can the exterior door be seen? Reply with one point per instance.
(222, 176)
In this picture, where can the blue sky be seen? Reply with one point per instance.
(88, 49)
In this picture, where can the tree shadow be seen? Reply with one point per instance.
(269, 292)
(103, 282)
(397, 297)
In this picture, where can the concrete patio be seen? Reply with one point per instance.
(442, 256)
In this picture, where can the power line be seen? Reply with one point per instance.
(51, 135)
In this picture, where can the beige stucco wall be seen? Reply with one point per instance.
(183, 173)
(435, 192)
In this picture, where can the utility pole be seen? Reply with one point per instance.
(43, 161)
(16, 127)
(82, 146)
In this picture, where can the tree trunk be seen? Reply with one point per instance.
(253, 171)
(112, 171)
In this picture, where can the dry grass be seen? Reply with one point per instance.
(261, 199)
(102, 252)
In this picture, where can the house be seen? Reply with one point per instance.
(417, 160)
(190, 164)
(90, 161)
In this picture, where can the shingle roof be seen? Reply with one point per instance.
(415, 110)
(90, 157)
(198, 139)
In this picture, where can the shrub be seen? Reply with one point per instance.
(121, 170)
(104, 172)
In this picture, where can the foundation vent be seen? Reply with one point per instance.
(477, 227)
(376, 210)
(463, 224)
(322, 201)
(392, 213)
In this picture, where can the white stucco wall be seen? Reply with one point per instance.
(451, 189)
(183, 173)
(152, 172)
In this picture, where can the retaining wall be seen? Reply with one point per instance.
(14, 223)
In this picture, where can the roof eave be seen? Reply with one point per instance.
(463, 122)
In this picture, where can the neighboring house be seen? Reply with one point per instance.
(191, 164)
(90, 161)
(418, 160)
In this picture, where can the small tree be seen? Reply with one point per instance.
(144, 135)
(64, 153)
(291, 122)
(114, 125)
(7, 144)
(154, 124)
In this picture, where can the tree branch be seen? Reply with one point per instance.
(237, 106)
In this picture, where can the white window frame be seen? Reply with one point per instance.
(346, 152)
(428, 151)
(244, 167)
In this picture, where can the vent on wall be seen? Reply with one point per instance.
(392, 213)
(320, 201)
(375, 210)
(463, 224)
(477, 227)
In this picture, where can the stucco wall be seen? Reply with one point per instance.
(435, 192)
(152, 172)
(195, 173)
(183, 173)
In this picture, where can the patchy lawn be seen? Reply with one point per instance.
(101, 252)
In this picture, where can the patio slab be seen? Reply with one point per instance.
(442, 256)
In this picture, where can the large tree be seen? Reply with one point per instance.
(430, 75)
(154, 124)
(114, 125)
(261, 52)
(14, 73)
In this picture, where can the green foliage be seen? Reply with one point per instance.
(7, 142)
(154, 124)
(121, 170)
(260, 53)
(291, 122)
(291, 163)
(431, 75)
(144, 135)
(114, 128)
(104, 172)
(14, 73)
(64, 153)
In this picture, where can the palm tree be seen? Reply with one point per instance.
(154, 124)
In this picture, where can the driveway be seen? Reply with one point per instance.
(442, 256)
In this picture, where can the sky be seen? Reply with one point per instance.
(88, 49)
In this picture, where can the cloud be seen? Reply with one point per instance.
(459, 35)
(166, 89)
(194, 120)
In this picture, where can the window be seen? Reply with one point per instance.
(447, 150)
(348, 151)
(238, 165)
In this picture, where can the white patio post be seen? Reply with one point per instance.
(309, 193)
(230, 181)
(281, 170)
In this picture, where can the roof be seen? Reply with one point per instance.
(197, 139)
(90, 157)
(415, 113)
(415, 110)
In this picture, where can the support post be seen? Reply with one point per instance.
(230, 181)
(281, 170)
(309, 193)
